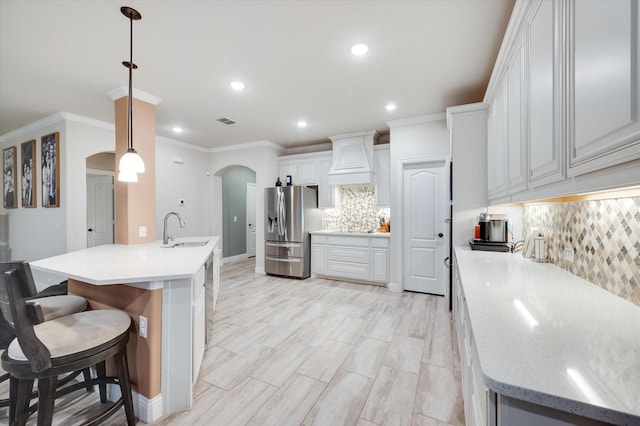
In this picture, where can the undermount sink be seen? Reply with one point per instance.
(189, 244)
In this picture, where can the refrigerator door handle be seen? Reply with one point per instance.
(282, 215)
(283, 259)
(286, 245)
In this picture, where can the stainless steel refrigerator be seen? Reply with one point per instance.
(291, 213)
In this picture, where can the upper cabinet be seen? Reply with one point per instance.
(496, 147)
(564, 100)
(545, 141)
(604, 84)
(311, 169)
(382, 163)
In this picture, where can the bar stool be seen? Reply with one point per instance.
(45, 350)
(54, 303)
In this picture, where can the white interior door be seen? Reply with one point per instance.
(251, 219)
(99, 210)
(424, 227)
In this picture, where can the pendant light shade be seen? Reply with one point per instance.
(130, 163)
(127, 176)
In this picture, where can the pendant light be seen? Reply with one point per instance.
(131, 163)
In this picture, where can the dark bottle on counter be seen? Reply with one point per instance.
(278, 183)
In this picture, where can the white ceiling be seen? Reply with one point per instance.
(292, 55)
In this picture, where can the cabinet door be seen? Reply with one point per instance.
(496, 148)
(380, 265)
(545, 143)
(308, 172)
(326, 193)
(382, 158)
(318, 259)
(606, 84)
(289, 167)
(516, 119)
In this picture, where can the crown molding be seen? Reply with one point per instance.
(465, 109)
(123, 91)
(180, 144)
(32, 127)
(417, 120)
(248, 145)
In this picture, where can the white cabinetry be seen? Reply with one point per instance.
(479, 402)
(545, 146)
(350, 257)
(604, 84)
(569, 121)
(382, 164)
(310, 169)
(328, 197)
(496, 148)
(516, 120)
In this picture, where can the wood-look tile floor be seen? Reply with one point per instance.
(316, 352)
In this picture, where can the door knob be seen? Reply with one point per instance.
(90, 229)
(440, 235)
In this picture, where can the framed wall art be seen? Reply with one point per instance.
(9, 160)
(50, 153)
(28, 173)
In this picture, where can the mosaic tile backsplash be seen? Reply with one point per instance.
(357, 213)
(605, 236)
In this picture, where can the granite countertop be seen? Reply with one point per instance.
(582, 356)
(127, 264)
(352, 234)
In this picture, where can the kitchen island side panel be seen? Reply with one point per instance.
(144, 354)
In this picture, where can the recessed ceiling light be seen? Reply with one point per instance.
(390, 107)
(302, 124)
(359, 49)
(237, 85)
(177, 129)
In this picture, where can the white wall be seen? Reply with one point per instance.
(188, 181)
(85, 137)
(261, 157)
(413, 139)
(38, 232)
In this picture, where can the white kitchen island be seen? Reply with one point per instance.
(162, 287)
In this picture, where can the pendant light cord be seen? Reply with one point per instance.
(130, 124)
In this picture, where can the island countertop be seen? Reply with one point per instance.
(576, 349)
(129, 264)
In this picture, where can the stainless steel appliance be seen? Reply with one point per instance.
(291, 213)
(494, 234)
(494, 230)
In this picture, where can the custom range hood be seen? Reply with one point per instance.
(352, 162)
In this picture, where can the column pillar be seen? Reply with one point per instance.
(136, 201)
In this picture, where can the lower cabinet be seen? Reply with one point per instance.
(351, 257)
(479, 402)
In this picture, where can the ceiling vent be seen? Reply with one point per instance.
(227, 121)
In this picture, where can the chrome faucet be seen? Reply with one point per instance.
(165, 237)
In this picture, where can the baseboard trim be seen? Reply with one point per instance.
(146, 410)
(236, 258)
(395, 287)
(260, 270)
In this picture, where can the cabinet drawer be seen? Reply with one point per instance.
(380, 242)
(348, 270)
(319, 239)
(349, 254)
(358, 241)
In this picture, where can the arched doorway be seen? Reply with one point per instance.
(235, 199)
